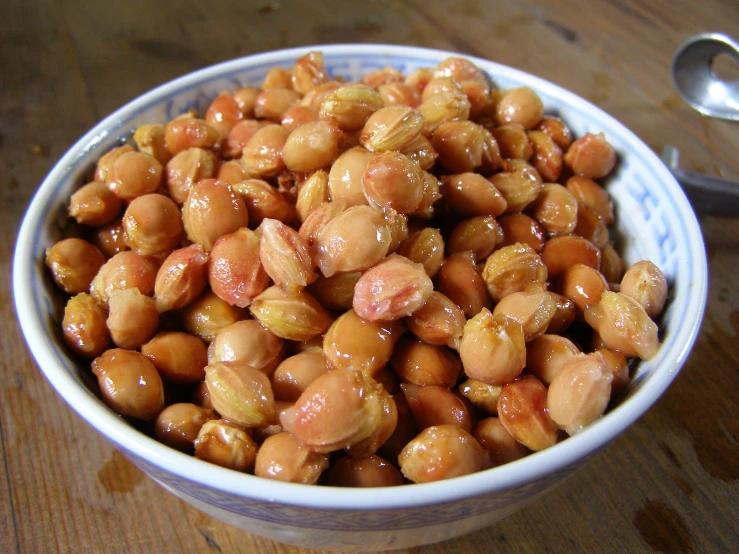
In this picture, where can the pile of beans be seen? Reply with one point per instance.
(404, 279)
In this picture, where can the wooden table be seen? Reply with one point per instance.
(668, 484)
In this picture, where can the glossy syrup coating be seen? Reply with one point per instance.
(73, 264)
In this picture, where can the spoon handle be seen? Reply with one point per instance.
(708, 195)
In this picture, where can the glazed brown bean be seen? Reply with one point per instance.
(337, 410)
(178, 425)
(179, 357)
(73, 264)
(226, 445)
(129, 383)
(109, 238)
(479, 235)
(471, 195)
(345, 176)
(520, 228)
(316, 97)
(492, 349)
(246, 99)
(394, 288)
(481, 395)
(519, 105)
(383, 431)
(555, 209)
(241, 393)
(94, 204)
(460, 145)
(533, 308)
(124, 271)
(283, 458)
(132, 318)
(425, 247)
(285, 256)
(238, 137)
(611, 266)
(618, 366)
(207, 314)
(399, 93)
(201, 396)
(561, 253)
(391, 181)
(423, 364)
(592, 195)
(513, 141)
(181, 278)
(391, 128)
(420, 150)
(522, 410)
(547, 156)
(319, 219)
(442, 452)
(335, 293)
(591, 156)
(519, 183)
(354, 240)
(311, 194)
(83, 326)
(591, 226)
(564, 314)
(150, 140)
(438, 322)
(262, 201)
(134, 174)
(235, 272)
(645, 283)
(186, 169)
(442, 107)
(297, 115)
(354, 343)
(277, 77)
(547, 354)
(511, 269)
(431, 194)
(262, 154)
(223, 113)
(432, 405)
(350, 106)
(249, 342)
(372, 471)
(382, 76)
(295, 373)
(292, 315)
(312, 146)
(189, 132)
(580, 392)
(152, 225)
(557, 130)
(106, 161)
(272, 103)
(459, 280)
(211, 211)
(623, 325)
(499, 443)
(582, 284)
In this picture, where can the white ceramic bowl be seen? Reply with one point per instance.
(655, 222)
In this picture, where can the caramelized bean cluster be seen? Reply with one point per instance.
(402, 279)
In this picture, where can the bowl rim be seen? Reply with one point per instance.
(534, 467)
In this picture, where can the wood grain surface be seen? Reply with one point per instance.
(668, 484)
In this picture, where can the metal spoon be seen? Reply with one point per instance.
(697, 83)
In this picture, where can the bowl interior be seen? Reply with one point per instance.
(654, 221)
